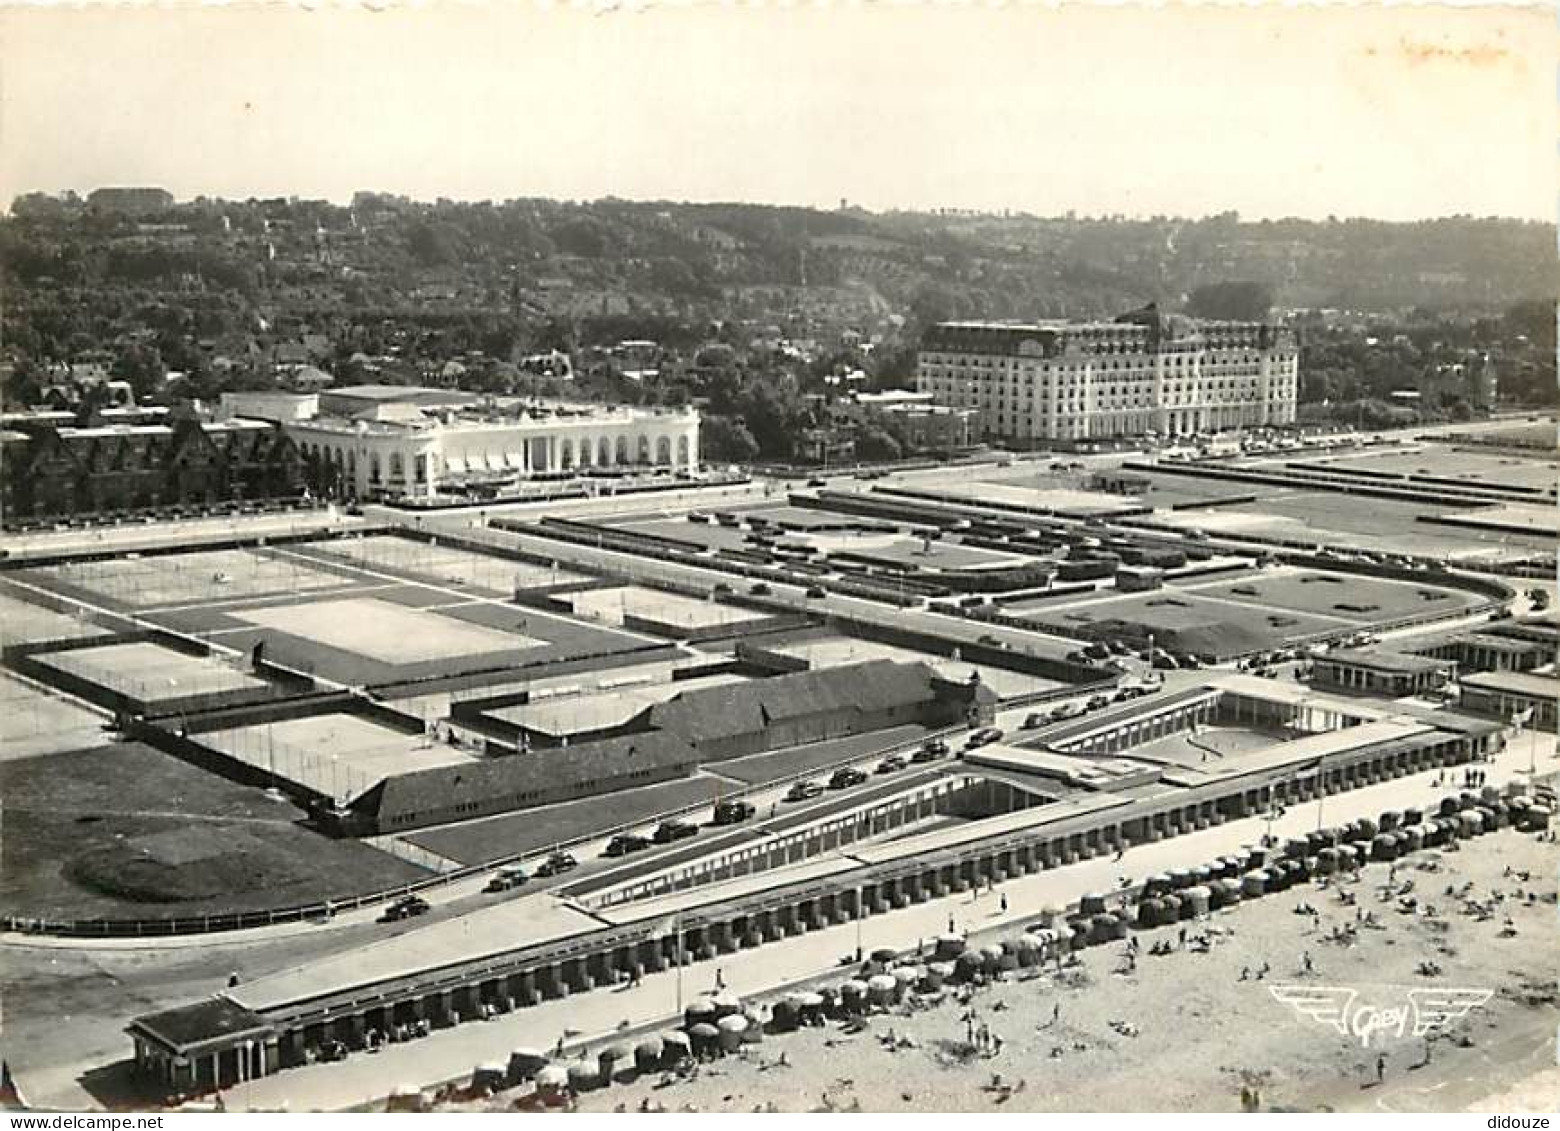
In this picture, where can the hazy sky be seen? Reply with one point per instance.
(1399, 113)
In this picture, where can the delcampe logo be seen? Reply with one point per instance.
(1419, 1011)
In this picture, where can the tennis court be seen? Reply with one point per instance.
(834, 651)
(22, 622)
(577, 714)
(149, 672)
(205, 575)
(613, 605)
(384, 631)
(338, 755)
(34, 721)
(449, 565)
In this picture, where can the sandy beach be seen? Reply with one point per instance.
(1192, 1029)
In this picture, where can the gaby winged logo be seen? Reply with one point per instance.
(1421, 1011)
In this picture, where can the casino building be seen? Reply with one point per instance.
(1143, 372)
(387, 441)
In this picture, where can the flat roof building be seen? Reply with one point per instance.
(1380, 672)
(1504, 694)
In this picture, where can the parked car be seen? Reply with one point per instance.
(803, 791)
(816, 481)
(506, 879)
(931, 750)
(984, 736)
(732, 812)
(557, 864)
(891, 765)
(815, 591)
(846, 777)
(624, 843)
(1035, 719)
(407, 907)
(1098, 701)
(669, 831)
(760, 590)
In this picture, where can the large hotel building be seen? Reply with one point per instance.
(1144, 372)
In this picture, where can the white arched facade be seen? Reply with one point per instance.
(393, 459)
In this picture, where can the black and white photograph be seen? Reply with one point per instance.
(619, 557)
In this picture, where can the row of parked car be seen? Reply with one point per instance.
(1108, 652)
(730, 811)
(848, 776)
(1075, 710)
(556, 864)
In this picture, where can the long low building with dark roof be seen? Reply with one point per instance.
(666, 740)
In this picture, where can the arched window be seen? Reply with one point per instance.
(644, 450)
(663, 451)
(566, 452)
(397, 468)
(351, 463)
(604, 452)
(373, 468)
(586, 449)
(621, 456)
(683, 459)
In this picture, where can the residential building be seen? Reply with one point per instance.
(923, 424)
(130, 201)
(1143, 373)
(61, 472)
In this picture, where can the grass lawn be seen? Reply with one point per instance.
(126, 831)
(1350, 596)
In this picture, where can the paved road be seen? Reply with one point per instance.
(188, 533)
